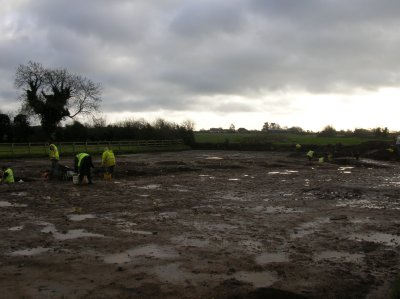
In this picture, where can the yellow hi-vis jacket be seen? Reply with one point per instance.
(108, 158)
(80, 157)
(53, 154)
(310, 153)
(10, 176)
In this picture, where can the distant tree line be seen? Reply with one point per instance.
(330, 131)
(327, 131)
(19, 129)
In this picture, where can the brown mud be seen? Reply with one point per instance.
(204, 224)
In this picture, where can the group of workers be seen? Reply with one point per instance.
(82, 166)
(310, 155)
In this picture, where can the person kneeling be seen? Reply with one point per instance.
(7, 175)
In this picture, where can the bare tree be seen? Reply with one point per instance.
(55, 94)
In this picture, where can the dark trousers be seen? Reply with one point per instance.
(54, 169)
(85, 170)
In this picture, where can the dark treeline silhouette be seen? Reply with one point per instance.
(19, 130)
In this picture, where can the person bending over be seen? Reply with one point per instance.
(82, 165)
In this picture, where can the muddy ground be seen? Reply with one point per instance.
(204, 224)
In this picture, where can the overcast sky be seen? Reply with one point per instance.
(307, 63)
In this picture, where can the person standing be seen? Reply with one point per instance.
(108, 162)
(82, 165)
(398, 145)
(310, 155)
(8, 175)
(54, 158)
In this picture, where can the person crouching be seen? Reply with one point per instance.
(7, 176)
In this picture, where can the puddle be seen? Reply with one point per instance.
(16, 228)
(269, 257)
(30, 251)
(361, 220)
(213, 158)
(381, 238)
(276, 210)
(207, 176)
(6, 204)
(171, 273)
(168, 215)
(233, 179)
(285, 172)
(258, 279)
(71, 234)
(139, 232)
(189, 241)
(74, 234)
(126, 226)
(174, 274)
(179, 188)
(370, 162)
(391, 181)
(150, 187)
(153, 251)
(281, 210)
(339, 256)
(345, 168)
(80, 217)
(21, 194)
(365, 204)
(309, 228)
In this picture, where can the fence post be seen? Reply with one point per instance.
(12, 149)
(29, 149)
(73, 148)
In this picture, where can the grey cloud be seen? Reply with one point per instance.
(116, 21)
(174, 54)
(204, 18)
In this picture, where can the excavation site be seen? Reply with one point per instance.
(203, 224)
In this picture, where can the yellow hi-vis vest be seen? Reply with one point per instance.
(10, 177)
(54, 152)
(310, 154)
(108, 158)
(80, 157)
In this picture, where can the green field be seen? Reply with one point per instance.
(16, 150)
(281, 138)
